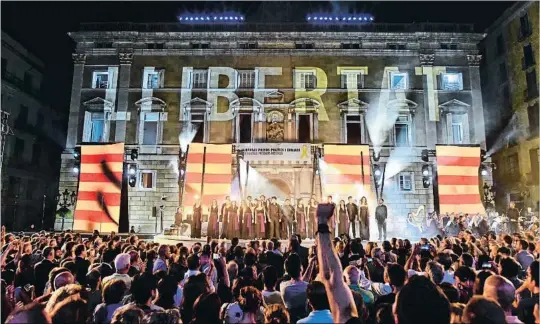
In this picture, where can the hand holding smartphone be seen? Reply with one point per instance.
(325, 212)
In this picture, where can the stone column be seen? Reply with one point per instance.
(426, 61)
(479, 131)
(75, 103)
(126, 58)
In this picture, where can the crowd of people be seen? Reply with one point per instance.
(466, 278)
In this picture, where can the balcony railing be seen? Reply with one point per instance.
(277, 27)
(19, 83)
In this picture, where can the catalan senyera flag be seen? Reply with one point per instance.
(457, 168)
(217, 175)
(342, 173)
(100, 187)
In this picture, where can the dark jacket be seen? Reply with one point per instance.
(352, 211)
(41, 275)
(381, 213)
(81, 266)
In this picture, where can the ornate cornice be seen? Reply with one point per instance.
(474, 60)
(426, 59)
(78, 58)
(125, 57)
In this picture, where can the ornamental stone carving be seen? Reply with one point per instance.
(125, 57)
(427, 59)
(78, 58)
(474, 60)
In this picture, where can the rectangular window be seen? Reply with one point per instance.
(200, 79)
(352, 81)
(305, 80)
(304, 129)
(150, 129)
(532, 86)
(244, 125)
(457, 132)
(452, 81)
(528, 56)
(533, 156)
(394, 46)
(401, 131)
(198, 126)
(503, 74)
(147, 180)
(100, 80)
(525, 27)
(246, 79)
(354, 129)
(513, 165)
(500, 45)
(399, 81)
(97, 127)
(532, 112)
(154, 80)
(406, 182)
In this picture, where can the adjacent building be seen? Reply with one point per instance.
(400, 89)
(510, 91)
(31, 160)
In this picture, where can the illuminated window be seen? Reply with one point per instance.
(352, 81)
(200, 79)
(457, 132)
(399, 81)
(246, 79)
(100, 80)
(354, 129)
(94, 127)
(406, 182)
(305, 80)
(147, 180)
(513, 165)
(452, 81)
(151, 127)
(402, 131)
(153, 79)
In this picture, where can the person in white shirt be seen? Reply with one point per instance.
(318, 301)
(164, 253)
(122, 262)
(502, 290)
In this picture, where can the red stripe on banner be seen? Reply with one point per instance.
(459, 199)
(195, 177)
(98, 158)
(210, 158)
(344, 159)
(457, 180)
(345, 178)
(93, 216)
(98, 177)
(111, 199)
(458, 161)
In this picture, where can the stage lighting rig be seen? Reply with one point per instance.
(377, 173)
(426, 176)
(77, 159)
(134, 154)
(132, 175)
(425, 155)
(376, 156)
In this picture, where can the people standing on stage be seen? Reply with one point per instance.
(260, 219)
(225, 217)
(287, 219)
(513, 218)
(213, 225)
(381, 214)
(266, 204)
(274, 214)
(332, 220)
(343, 219)
(312, 218)
(363, 219)
(352, 213)
(300, 218)
(233, 226)
(246, 216)
(196, 220)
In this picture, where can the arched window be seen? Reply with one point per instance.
(97, 117)
(151, 117)
(353, 128)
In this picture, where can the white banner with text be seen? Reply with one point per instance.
(275, 152)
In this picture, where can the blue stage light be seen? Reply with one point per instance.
(371, 18)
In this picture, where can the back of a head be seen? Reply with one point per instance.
(30, 313)
(276, 314)
(71, 310)
(384, 314)
(293, 265)
(113, 291)
(193, 262)
(352, 274)
(509, 267)
(61, 294)
(467, 259)
(435, 271)
(122, 262)
(421, 301)
(396, 274)
(167, 286)
(128, 314)
(171, 316)
(465, 274)
(63, 279)
(500, 289)
(207, 308)
(482, 310)
(142, 286)
(451, 292)
(250, 299)
(317, 297)
(270, 276)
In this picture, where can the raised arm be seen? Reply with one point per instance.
(339, 295)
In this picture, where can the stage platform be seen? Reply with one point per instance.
(188, 241)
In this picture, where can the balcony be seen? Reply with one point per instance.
(21, 85)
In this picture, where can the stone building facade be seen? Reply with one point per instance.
(31, 158)
(400, 89)
(510, 91)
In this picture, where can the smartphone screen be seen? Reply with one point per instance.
(216, 256)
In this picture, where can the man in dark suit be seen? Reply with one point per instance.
(274, 213)
(352, 213)
(42, 270)
(303, 252)
(274, 257)
(81, 264)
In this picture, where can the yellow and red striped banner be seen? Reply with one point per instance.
(457, 169)
(342, 171)
(217, 174)
(100, 187)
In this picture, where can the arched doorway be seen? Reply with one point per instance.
(279, 188)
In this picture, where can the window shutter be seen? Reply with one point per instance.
(145, 79)
(141, 127)
(163, 116)
(87, 131)
(162, 78)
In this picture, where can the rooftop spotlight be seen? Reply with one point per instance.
(241, 18)
(75, 169)
(484, 172)
(377, 172)
(371, 18)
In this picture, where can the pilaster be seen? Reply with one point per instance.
(479, 131)
(126, 59)
(74, 120)
(430, 101)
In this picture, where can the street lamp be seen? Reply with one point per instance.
(65, 200)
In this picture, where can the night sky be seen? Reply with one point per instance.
(42, 26)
